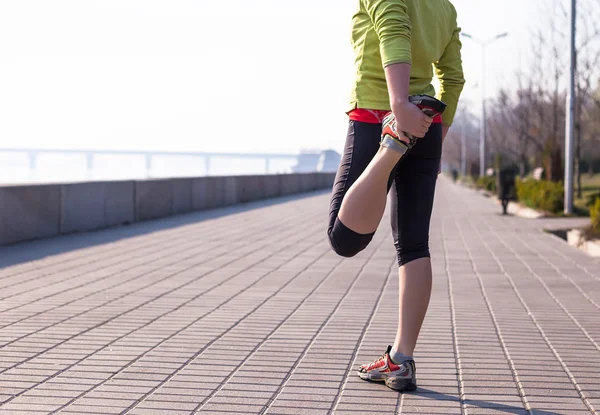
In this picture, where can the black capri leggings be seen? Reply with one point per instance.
(413, 187)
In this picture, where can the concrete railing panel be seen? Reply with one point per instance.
(39, 211)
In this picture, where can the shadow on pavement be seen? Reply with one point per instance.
(509, 409)
(38, 249)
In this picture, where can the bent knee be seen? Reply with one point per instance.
(345, 242)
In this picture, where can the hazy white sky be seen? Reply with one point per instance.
(199, 75)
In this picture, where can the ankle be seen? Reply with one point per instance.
(388, 156)
(399, 357)
(393, 145)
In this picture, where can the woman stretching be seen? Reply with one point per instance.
(397, 44)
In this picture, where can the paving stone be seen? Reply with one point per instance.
(234, 313)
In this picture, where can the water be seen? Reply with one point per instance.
(15, 168)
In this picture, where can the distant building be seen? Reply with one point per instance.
(325, 161)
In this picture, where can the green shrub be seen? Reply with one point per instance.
(541, 194)
(591, 199)
(487, 183)
(595, 215)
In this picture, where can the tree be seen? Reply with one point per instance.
(465, 123)
(527, 125)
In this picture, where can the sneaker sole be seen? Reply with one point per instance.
(369, 376)
(400, 385)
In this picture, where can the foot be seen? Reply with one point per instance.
(402, 142)
(401, 377)
(390, 137)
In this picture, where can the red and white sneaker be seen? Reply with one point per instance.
(391, 138)
(403, 142)
(401, 377)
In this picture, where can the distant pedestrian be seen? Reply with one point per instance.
(506, 188)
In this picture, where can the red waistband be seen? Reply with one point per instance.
(376, 116)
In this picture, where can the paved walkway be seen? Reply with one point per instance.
(248, 311)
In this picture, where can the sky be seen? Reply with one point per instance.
(237, 76)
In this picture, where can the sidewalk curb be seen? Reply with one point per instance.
(576, 239)
(517, 209)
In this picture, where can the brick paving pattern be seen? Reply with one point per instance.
(247, 310)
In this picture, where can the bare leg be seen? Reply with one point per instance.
(415, 291)
(364, 204)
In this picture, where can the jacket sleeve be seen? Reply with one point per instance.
(392, 25)
(449, 71)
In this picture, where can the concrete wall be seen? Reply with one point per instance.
(39, 211)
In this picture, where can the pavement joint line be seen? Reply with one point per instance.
(200, 242)
(123, 282)
(199, 225)
(459, 371)
(559, 272)
(549, 291)
(363, 332)
(114, 299)
(214, 340)
(180, 236)
(584, 269)
(96, 249)
(104, 289)
(132, 331)
(139, 357)
(28, 291)
(225, 381)
(399, 404)
(513, 368)
(537, 325)
(272, 339)
(315, 336)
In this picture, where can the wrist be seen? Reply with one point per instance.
(398, 101)
(399, 105)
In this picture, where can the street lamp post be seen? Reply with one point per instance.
(570, 124)
(482, 136)
(463, 138)
(463, 141)
(463, 149)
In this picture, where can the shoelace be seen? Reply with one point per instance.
(374, 364)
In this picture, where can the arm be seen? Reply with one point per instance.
(392, 25)
(409, 117)
(449, 71)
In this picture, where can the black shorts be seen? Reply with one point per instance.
(412, 185)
